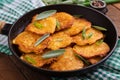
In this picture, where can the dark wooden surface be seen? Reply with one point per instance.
(12, 69)
(114, 15)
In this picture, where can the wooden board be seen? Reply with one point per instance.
(114, 14)
(8, 70)
(117, 5)
(12, 69)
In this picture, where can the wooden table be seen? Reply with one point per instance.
(114, 14)
(12, 69)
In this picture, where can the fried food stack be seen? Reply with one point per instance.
(75, 35)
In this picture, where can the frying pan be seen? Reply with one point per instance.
(94, 16)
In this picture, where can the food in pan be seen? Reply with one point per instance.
(92, 50)
(94, 60)
(64, 19)
(91, 34)
(36, 59)
(26, 41)
(42, 26)
(60, 41)
(67, 61)
(78, 25)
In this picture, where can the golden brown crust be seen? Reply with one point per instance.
(93, 50)
(78, 25)
(65, 19)
(94, 60)
(39, 49)
(26, 41)
(38, 60)
(48, 25)
(67, 61)
(59, 40)
(96, 35)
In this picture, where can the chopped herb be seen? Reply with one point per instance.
(90, 35)
(54, 53)
(99, 41)
(57, 24)
(41, 39)
(83, 59)
(84, 33)
(45, 14)
(38, 25)
(100, 28)
(30, 60)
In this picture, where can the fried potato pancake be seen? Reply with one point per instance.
(96, 35)
(78, 25)
(94, 60)
(26, 41)
(67, 61)
(93, 50)
(65, 19)
(36, 59)
(47, 25)
(59, 40)
(39, 49)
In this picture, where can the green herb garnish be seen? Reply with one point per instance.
(100, 28)
(90, 35)
(30, 60)
(83, 59)
(84, 33)
(57, 24)
(41, 39)
(99, 41)
(45, 14)
(38, 25)
(54, 53)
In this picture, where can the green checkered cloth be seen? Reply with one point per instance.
(11, 10)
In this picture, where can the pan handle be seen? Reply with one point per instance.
(4, 27)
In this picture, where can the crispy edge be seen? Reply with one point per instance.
(25, 41)
(78, 25)
(48, 26)
(93, 50)
(65, 20)
(67, 61)
(95, 60)
(59, 40)
(39, 61)
(78, 39)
